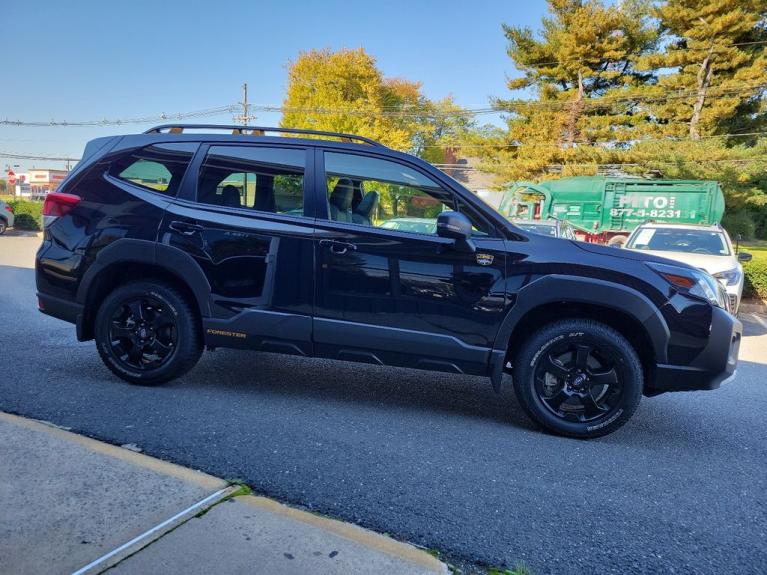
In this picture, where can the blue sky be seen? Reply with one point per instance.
(74, 61)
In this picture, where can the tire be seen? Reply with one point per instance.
(617, 241)
(572, 396)
(3, 226)
(147, 333)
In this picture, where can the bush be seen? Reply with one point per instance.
(28, 214)
(755, 271)
(740, 222)
(26, 222)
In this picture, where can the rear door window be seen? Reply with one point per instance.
(158, 168)
(254, 177)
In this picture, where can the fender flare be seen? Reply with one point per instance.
(555, 288)
(176, 261)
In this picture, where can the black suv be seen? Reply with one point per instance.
(160, 244)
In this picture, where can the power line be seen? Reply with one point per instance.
(602, 101)
(37, 157)
(605, 101)
(553, 143)
(615, 165)
(220, 110)
(575, 59)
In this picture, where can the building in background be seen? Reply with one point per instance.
(44, 180)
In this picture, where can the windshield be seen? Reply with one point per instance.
(543, 229)
(680, 240)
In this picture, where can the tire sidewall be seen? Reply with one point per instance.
(626, 363)
(104, 316)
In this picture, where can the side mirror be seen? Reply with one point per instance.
(457, 227)
(744, 257)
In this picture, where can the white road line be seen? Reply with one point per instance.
(147, 534)
(759, 319)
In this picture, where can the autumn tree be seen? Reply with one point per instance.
(344, 91)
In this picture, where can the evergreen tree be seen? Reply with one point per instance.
(717, 55)
(580, 67)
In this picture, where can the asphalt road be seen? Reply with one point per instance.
(434, 459)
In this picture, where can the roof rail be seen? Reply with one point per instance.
(257, 131)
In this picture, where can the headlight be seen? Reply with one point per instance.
(696, 283)
(730, 277)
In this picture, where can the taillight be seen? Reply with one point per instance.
(8, 208)
(58, 204)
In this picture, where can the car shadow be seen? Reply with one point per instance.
(329, 380)
(753, 324)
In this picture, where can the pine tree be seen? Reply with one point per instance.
(717, 52)
(580, 68)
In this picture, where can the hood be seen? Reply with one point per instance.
(634, 255)
(711, 263)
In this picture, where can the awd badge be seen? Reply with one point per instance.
(484, 259)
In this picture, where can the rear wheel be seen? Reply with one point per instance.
(578, 378)
(147, 333)
(3, 226)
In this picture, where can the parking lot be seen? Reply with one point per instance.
(437, 460)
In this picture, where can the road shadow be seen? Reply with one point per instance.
(753, 324)
(328, 380)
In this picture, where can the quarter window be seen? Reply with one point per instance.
(259, 178)
(158, 168)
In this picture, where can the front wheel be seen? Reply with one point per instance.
(147, 333)
(578, 378)
(3, 226)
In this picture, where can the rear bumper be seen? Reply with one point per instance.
(715, 365)
(59, 308)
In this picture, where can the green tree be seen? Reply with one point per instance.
(712, 67)
(580, 67)
(586, 51)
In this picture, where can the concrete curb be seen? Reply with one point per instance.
(198, 477)
(151, 535)
(352, 532)
(218, 490)
(14, 233)
(753, 306)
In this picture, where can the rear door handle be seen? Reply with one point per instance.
(337, 247)
(185, 228)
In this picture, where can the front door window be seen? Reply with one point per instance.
(384, 194)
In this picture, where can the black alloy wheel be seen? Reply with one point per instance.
(578, 377)
(148, 332)
(579, 381)
(143, 333)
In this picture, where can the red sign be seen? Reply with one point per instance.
(11, 178)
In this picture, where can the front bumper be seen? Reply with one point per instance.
(715, 364)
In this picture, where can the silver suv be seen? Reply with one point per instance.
(6, 217)
(706, 247)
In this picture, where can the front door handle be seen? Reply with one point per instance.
(185, 228)
(337, 247)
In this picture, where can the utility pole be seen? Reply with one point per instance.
(244, 118)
